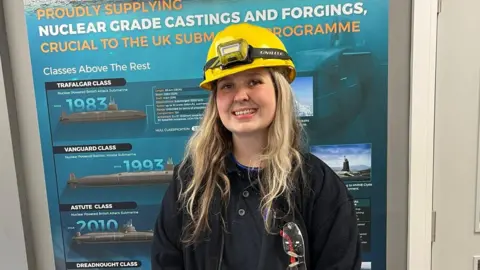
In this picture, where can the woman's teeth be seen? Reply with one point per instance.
(245, 112)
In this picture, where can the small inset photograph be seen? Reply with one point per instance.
(352, 162)
(303, 92)
(366, 266)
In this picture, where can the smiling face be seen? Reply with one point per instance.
(246, 102)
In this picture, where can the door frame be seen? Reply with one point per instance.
(422, 112)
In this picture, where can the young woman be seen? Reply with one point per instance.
(248, 194)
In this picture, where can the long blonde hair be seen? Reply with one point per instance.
(211, 143)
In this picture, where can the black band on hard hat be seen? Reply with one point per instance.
(238, 52)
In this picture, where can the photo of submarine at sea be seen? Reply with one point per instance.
(111, 114)
(126, 234)
(347, 174)
(124, 178)
(351, 162)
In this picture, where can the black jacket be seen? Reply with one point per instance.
(326, 215)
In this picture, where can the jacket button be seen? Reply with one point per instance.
(241, 212)
(245, 193)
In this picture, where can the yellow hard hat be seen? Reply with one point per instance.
(244, 46)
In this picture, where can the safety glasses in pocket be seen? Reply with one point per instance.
(293, 245)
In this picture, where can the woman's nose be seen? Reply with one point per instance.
(241, 94)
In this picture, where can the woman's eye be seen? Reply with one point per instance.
(255, 82)
(226, 86)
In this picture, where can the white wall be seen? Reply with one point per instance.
(422, 109)
(12, 242)
(457, 137)
(12, 239)
(398, 145)
(28, 163)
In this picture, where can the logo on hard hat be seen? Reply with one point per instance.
(271, 52)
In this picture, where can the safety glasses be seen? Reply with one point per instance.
(293, 245)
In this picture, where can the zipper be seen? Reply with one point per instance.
(220, 259)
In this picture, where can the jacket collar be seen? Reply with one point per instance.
(232, 166)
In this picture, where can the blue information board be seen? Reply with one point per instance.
(117, 96)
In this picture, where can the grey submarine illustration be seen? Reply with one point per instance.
(126, 234)
(124, 178)
(111, 114)
(343, 69)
